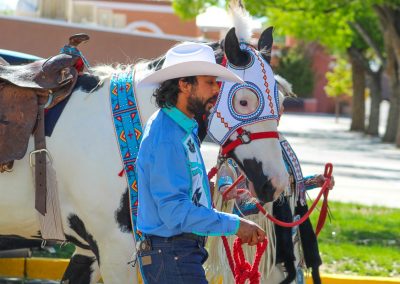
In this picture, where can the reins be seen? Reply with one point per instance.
(324, 209)
(243, 270)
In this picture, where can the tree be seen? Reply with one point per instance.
(389, 17)
(295, 66)
(333, 23)
(339, 83)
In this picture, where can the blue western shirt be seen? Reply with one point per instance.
(174, 192)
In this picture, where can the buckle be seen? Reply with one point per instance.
(244, 137)
(144, 245)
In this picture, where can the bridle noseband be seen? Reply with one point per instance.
(245, 137)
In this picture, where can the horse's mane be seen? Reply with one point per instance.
(284, 86)
(105, 71)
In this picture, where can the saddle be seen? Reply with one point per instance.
(25, 92)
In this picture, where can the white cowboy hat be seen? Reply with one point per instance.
(189, 59)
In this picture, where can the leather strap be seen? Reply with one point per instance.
(245, 137)
(40, 164)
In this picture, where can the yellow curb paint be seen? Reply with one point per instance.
(12, 267)
(44, 268)
(348, 279)
(53, 269)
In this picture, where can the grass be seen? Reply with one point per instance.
(360, 240)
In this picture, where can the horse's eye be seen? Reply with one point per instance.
(243, 103)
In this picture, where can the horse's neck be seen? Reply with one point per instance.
(144, 95)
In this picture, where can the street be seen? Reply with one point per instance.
(366, 171)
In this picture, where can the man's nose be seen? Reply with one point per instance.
(216, 88)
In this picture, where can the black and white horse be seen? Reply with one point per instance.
(94, 199)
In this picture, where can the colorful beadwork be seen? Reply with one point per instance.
(128, 130)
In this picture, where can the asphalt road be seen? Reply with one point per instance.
(366, 171)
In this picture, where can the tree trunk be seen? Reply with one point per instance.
(389, 18)
(358, 100)
(376, 98)
(393, 117)
(398, 128)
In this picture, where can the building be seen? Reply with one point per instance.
(125, 31)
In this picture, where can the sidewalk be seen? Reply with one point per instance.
(366, 171)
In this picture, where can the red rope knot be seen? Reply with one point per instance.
(241, 269)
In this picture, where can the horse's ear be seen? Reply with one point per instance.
(265, 43)
(235, 55)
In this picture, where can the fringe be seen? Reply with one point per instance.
(217, 266)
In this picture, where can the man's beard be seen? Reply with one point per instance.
(196, 106)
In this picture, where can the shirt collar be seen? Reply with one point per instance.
(188, 124)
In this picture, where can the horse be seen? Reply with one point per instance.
(85, 155)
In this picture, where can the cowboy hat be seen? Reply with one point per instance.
(189, 59)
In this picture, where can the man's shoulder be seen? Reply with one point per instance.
(161, 129)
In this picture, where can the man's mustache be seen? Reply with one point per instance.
(212, 100)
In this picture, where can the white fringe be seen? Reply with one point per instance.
(217, 266)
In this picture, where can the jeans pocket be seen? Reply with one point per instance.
(189, 263)
(152, 265)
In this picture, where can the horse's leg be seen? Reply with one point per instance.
(83, 268)
(284, 242)
(309, 244)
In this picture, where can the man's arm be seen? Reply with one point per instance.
(170, 187)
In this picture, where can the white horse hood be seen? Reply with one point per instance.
(259, 79)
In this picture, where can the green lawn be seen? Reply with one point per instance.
(360, 240)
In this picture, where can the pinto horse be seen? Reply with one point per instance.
(85, 155)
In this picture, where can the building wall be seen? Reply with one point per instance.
(169, 23)
(320, 65)
(40, 38)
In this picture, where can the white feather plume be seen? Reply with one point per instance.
(241, 20)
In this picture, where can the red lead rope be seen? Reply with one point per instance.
(324, 210)
(241, 269)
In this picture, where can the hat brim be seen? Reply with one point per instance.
(186, 69)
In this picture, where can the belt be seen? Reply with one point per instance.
(183, 236)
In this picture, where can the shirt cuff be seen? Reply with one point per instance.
(231, 223)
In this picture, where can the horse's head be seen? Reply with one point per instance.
(244, 119)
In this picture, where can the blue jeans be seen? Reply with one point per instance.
(173, 261)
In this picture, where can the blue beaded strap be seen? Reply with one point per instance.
(128, 130)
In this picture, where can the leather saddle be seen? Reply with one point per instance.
(23, 89)
(25, 92)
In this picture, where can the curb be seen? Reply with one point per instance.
(53, 269)
(349, 279)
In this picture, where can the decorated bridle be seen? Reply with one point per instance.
(224, 120)
(220, 117)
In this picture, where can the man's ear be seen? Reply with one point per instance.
(184, 87)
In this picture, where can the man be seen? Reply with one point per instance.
(175, 212)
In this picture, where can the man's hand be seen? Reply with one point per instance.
(321, 179)
(250, 233)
